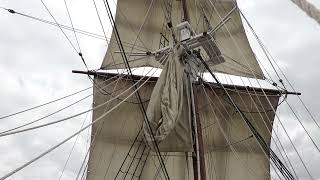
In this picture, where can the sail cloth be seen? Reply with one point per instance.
(223, 125)
(142, 27)
(169, 109)
(113, 136)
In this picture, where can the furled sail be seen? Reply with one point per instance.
(113, 137)
(142, 28)
(169, 108)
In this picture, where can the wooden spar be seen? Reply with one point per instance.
(198, 158)
(206, 84)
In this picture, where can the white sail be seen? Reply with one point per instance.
(146, 19)
(121, 146)
(120, 128)
(245, 160)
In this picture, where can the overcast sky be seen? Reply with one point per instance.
(36, 62)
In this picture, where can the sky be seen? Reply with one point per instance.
(36, 62)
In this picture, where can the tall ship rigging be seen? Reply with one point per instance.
(176, 119)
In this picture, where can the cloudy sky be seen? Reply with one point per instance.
(36, 62)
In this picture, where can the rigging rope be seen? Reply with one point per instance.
(260, 140)
(267, 99)
(79, 53)
(73, 135)
(125, 59)
(266, 155)
(46, 116)
(114, 150)
(290, 84)
(94, 35)
(310, 9)
(86, 33)
(230, 116)
(76, 115)
(44, 104)
(74, 32)
(59, 26)
(53, 101)
(270, 59)
(72, 148)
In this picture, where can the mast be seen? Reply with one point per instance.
(185, 13)
(198, 155)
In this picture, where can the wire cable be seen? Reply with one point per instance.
(50, 102)
(128, 67)
(265, 94)
(72, 148)
(65, 35)
(44, 104)
(46, 116)
(73, 116)
(272, 60)
(70, 137)
(74, 32)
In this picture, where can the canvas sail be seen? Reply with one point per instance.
(119, 129)
(169, 107)
(146, 19)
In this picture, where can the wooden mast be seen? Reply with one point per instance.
(199, 169)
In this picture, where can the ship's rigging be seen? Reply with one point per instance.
(136, 159)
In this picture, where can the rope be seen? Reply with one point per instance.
(46, 116)
(310, 9)
(91, 145)
(271, 59)
(44, 104)
(230, 116)
(114, 150)
(70, 137)
(74, 32)
(86, 33)
(79, 53)
(304, 128)
(73, 116)
(59, 26)
(125, 59)
(53, 101)
(72, 148)
(266, 98)
(266, 155)
(244, 118)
